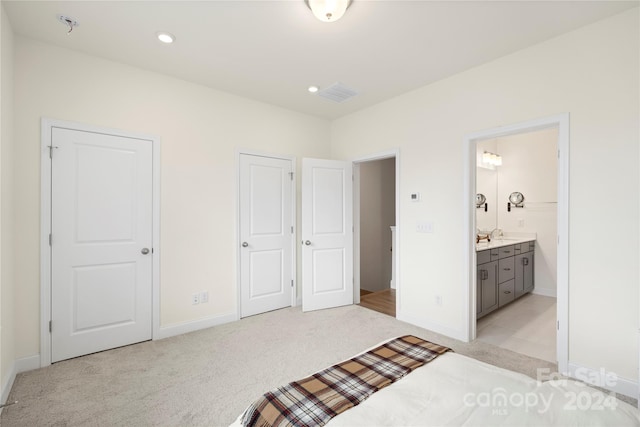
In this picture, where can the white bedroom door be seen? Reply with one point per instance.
(266, 234)
(101, 242)
(327, 234)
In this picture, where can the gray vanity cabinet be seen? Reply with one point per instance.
(487, 288)
(503, 274)
(524, 273)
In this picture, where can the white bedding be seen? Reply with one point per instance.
(456, 390)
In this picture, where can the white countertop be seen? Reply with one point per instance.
(508, 239)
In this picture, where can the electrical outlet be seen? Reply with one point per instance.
(520, 222)
(439, 300)
(204, 297)
(195, 299)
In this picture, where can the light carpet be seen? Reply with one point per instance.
(207, 378)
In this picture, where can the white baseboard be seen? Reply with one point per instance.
(599, 378)
(433, 326)
(20, 365)
(545, 292)
(193, 325)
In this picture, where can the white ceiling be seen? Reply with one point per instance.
(272, 51)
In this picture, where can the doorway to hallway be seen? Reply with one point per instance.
(375, 216)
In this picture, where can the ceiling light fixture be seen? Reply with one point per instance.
(313, 89)
(328, 10)
(165, 37)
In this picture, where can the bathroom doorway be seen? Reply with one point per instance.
(523, 207)
(374, 233)
(519, 240)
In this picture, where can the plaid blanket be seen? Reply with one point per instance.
(314, 400)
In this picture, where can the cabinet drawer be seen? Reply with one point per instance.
(483, 257)
(506, 251)
(506, 269)
(527, 247)
(506, 292)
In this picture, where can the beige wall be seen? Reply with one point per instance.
(592, 73)
(377, 214)
(7, 354)
(200, 130)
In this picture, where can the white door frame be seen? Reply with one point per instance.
(47, 126)
(294, 216)
(561, 121)
(393, 153)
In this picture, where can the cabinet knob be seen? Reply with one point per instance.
(506, 269)
(507, 292)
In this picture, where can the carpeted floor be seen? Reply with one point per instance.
(207, 378)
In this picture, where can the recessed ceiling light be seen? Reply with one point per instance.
(313, 89)
(165, 37)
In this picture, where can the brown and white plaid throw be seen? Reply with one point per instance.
(314, 400)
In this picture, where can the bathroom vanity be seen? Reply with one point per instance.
(504, 272)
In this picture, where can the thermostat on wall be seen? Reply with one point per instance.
(415, 197)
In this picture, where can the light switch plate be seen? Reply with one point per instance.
(425, 227)
(415, 197)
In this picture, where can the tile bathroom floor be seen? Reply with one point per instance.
(526, 326)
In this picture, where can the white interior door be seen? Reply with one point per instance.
(101, 251)
(327, 234)
(266, 234)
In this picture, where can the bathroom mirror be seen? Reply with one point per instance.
(486, 186)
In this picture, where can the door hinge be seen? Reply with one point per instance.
(292, 229)
(291, 175)
(558, 153)
(292, 283)
(50, 239)
(49, 326)
(51, 147)
(558, 325)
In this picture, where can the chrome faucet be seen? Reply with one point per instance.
(499, 230)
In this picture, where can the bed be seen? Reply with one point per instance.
(453, 389)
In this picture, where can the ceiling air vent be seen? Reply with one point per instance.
(337, 92)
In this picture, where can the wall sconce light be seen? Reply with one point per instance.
(491, 159)
(328, 10)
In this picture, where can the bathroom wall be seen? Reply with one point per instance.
(529, 165)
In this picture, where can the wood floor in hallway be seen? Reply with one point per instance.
(381, 301)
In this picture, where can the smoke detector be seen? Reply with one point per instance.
(69, 22)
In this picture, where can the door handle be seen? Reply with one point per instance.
(144, 251)
(245, 244)
(307, 242)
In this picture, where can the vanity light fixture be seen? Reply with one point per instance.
(491, 159)
(328, 10)
(165, 37)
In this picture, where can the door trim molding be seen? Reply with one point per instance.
(46, 127)
(561, 121)
(382, 155)
(294, 216)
